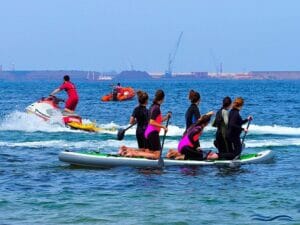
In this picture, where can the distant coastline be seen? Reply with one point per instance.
(78, 75)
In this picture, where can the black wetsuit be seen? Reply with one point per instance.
(141, 115)
(235, 129)
(192, 115)
(221, 141)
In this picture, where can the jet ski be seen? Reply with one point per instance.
(48, 108)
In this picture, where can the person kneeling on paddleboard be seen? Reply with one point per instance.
(70, 88)
(221, 123)
(188, 145)
(193, 114)
(140, 116)
(152, 131)
(235, 129)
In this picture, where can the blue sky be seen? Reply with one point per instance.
(106, 35)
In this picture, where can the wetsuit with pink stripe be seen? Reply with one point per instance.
(152, 132)
(189, 143)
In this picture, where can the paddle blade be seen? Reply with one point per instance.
(120, 134)
(161, 162)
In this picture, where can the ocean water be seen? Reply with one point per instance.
(36, 188)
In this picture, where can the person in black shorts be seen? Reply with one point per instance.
(140, 116)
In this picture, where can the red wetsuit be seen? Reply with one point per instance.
(72, 100)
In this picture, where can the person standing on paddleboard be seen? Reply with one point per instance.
(140, 116)
(73, 98)
(221, 123)
(235, 129)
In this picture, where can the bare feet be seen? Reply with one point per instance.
(172, 154)
(180, 157)
(129, 154)
(212, 156)
(122, 150)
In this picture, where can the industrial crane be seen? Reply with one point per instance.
(171, 59)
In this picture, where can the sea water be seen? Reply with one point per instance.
(36, 188)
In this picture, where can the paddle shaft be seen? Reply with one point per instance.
(121, 132)
(129, 127)
(243, 140)
(161, 161)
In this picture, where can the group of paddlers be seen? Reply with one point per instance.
(149, 123)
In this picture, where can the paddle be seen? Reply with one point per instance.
(243, 140)
(121, 132)
(161, 160)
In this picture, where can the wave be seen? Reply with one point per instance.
(275, 129)
(254, 129)
(21, 121)
(114, 144)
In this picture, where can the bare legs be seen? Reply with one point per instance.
(133, 152)
(146, 153)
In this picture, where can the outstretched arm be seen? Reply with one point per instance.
(132, 120)
(55, 91)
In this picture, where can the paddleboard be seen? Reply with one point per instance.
(94, 159)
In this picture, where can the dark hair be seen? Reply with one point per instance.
(159, 95)
(142, 97)
(66, 78)
(118, 84)
(226, 102)
(203, 120)
(194, 96)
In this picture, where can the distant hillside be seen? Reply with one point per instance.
(47, 75)
(79, 75)
(275, 75)
(133, 75)
(42, 75)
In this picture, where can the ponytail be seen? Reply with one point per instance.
(159, 95)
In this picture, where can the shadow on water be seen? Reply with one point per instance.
(151, 171)
(190, 170)
(260, 217)
(84, 168)
(225, 171)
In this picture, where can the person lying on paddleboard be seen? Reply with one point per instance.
(152, 131)
(140, 116)
(188, 145)
(70, 88)
(221, 123)
(235, 129)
